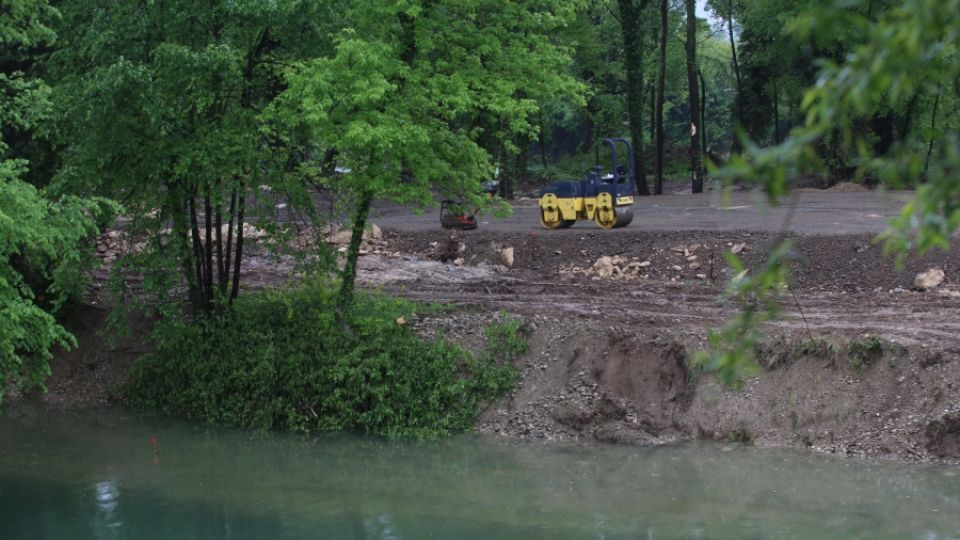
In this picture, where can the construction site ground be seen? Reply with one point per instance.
(860, 362)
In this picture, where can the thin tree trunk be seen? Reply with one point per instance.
(703, 111)
(653, 114)
(630, 14)
(218, 231)
(208, 248)
(349, 275)
(542, 142)
(777, 135)
(738, 101)
(235, 290)
(183, 240)
(661, 86)
(199, 266)
(933, 127)
(225, 278)
(696, 169)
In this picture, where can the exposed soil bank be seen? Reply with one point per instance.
(860, 364)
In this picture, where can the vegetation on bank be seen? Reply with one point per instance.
(202, 119)
(282, 360)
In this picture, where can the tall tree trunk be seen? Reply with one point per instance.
(661, 86)
(630, 15)
(542, 144)
(738, 101)
(241, 206)
(696, 169)
(933, 127)
(703, 112)
(198, 262)
(653, 116)
(182, 239)
(777, 135)
(208, 247)
(225, 277)
(348, 276)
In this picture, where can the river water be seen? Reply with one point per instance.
(110, 474)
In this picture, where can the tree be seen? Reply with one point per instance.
(631, 14)
(42, 238)
(420, 74)
(160, 108)
(661, 87)
(904, 52)
(725, 10)
(696, 170)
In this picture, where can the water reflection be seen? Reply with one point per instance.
(232, 485)
(106, 522)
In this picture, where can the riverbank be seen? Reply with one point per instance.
(861, 363)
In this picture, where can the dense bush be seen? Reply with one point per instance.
(282, 360)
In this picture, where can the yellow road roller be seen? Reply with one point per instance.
(606, 199)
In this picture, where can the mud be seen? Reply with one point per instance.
(859, 363)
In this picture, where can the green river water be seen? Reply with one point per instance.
(96, 475)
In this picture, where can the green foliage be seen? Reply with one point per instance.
(904, 52)
(42, 237)
(282, 360)
(864, 349)
(159, 105)
(404, 99)
(756, 297)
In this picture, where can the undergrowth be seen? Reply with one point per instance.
(282, 361)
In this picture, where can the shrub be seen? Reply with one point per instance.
(282, 360)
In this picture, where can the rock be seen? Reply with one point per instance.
(692, 248)
(506, 255)
(373, 233)
(458, 261)
(701, 276)
(252, 233)
(737, 248)
(339, 237)
(604, 266)
(691, 258)
(930, 279)
(644, 264)
(694, 265)
(101, 247)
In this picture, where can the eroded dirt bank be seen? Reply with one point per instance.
(860, 364)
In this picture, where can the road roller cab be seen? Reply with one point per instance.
(605, 199)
